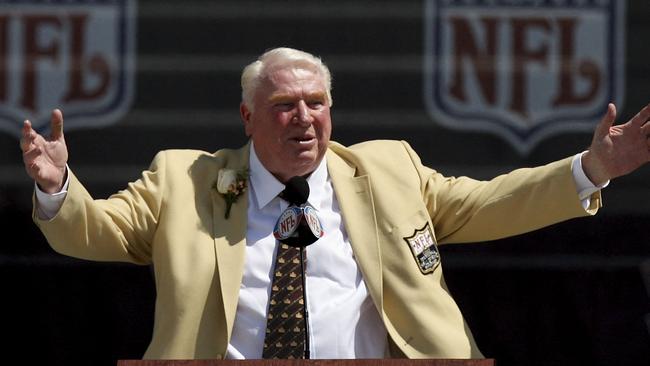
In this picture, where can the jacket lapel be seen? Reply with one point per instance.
(355, 199)
(357, 208)
(230, 240)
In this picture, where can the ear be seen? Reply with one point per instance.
(245, 115)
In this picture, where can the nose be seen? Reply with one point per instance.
(303, 114)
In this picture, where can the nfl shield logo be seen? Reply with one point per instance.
(77, 55)
(424, 249)
(521, 69)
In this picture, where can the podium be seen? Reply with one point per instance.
(365, 362)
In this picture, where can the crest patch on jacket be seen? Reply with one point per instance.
(424, 249)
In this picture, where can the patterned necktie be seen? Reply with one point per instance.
(285, 324)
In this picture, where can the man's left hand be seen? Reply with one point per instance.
(617, 150)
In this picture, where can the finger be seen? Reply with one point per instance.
(30, 156)
(57, 124)
(645, 129)
(31, 160)
(642, 117)
(28, 136)
(27, 126)
(602, 129)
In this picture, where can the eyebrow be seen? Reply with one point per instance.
(280, 97)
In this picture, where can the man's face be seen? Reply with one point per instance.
(291, 125)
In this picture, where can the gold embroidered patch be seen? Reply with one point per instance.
(424, 249)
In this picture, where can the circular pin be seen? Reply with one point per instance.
(312, 221)
(287, 223)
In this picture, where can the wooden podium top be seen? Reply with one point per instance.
(365, 362)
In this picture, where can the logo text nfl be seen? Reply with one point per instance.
(523, 69)
(77, 55)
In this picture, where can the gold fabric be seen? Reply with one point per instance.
(173, 218)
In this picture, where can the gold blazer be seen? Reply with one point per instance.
(173, 218)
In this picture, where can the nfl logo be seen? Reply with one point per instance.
(71, 54)
(424, 249)
(522, 69)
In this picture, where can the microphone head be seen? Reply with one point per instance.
(296, 191)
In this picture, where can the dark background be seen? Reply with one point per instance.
(570, 294)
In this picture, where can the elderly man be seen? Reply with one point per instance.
(374, 280)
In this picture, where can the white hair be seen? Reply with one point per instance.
(281, 58)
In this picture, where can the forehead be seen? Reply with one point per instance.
(293, 81)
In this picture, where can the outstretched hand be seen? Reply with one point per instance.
(617, 150)
(45, 159)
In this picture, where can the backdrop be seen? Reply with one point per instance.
(476, 87)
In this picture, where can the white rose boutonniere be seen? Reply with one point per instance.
(231, 184)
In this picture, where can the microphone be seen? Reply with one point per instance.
(298, 226)
(296, 190)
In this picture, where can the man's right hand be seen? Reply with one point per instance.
(45, 159)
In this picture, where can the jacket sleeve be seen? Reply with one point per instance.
(120, 228)
(466, 210)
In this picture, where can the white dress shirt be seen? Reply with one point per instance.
(343, 321)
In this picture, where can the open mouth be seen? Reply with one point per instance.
(304, 140)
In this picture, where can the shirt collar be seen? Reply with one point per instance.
(266, 187)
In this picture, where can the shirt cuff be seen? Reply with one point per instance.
(48, 205)
(584, 187)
